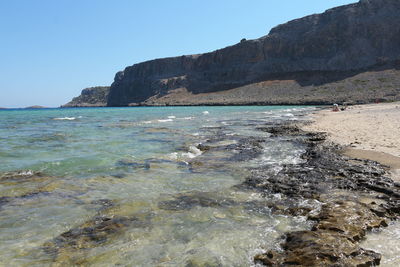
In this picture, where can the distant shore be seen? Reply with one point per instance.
(365, 131)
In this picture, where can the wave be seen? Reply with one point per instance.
(192, 153)
(167, 120)
(65, 119)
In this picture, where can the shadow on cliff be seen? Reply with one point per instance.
(303, 78)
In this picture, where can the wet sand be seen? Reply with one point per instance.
(365, 131)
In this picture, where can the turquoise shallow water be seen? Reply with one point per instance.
(139, 168)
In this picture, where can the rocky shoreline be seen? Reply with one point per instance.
(355, 196)
(342, 197)
(347, 53)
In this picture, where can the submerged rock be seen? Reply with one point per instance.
(333, 240)
(308, 248)
(195, 199)
(92, 232)
(70, 247)
(18, 186)
(20, 176)
(343, 219)
(133, 165)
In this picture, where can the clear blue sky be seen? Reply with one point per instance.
(51, 49)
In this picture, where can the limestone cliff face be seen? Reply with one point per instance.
(347, 38)
(90, 97)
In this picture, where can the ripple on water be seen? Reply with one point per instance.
(386, 242)
(122, 192)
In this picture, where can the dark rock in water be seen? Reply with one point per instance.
(203, 147)
(247, 148)
(133, 165)
(333, 240)
(342, 220)
(323, 170)
(285, 129)
(90, 97)
(103, 203)
(21, 198)
(4, 200)
(343, 54)
(89, 235)
(30, 185)
(308, 248)
(119, 175)
(196, 199)
(39, 192)
(310, 189)
(19, 176)
(164, 161)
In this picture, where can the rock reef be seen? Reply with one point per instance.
(348, 53)
(342, 197)
(356, 196)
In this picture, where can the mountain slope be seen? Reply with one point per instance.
(90, 97)
(307, 60)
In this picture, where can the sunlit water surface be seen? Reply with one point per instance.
(135, 163)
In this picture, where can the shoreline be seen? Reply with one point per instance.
(370, 132)
(339, 198)
(356, 196)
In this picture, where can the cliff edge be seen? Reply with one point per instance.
(349, 52)
(90, 97)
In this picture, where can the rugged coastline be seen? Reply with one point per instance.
(366, 131)
(357, 194)
(348, 53)
(90, 97)
(311, 59)
(341, 197)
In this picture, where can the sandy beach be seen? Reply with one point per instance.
(365, 131)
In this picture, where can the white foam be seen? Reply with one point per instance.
(171, 117)
(25, 173)
(147, 122)
(173, 155)
(205, 112)
(167, 120)
(65, 118)
(195, 134)
(193, 152)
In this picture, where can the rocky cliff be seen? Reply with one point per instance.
(306, 60)
(90, 97)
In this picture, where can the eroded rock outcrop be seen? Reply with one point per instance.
(308, 60)
(356, 196)
(90, 97)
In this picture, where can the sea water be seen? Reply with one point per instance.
(141, 163)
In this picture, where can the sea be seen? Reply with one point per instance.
(138, 186)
